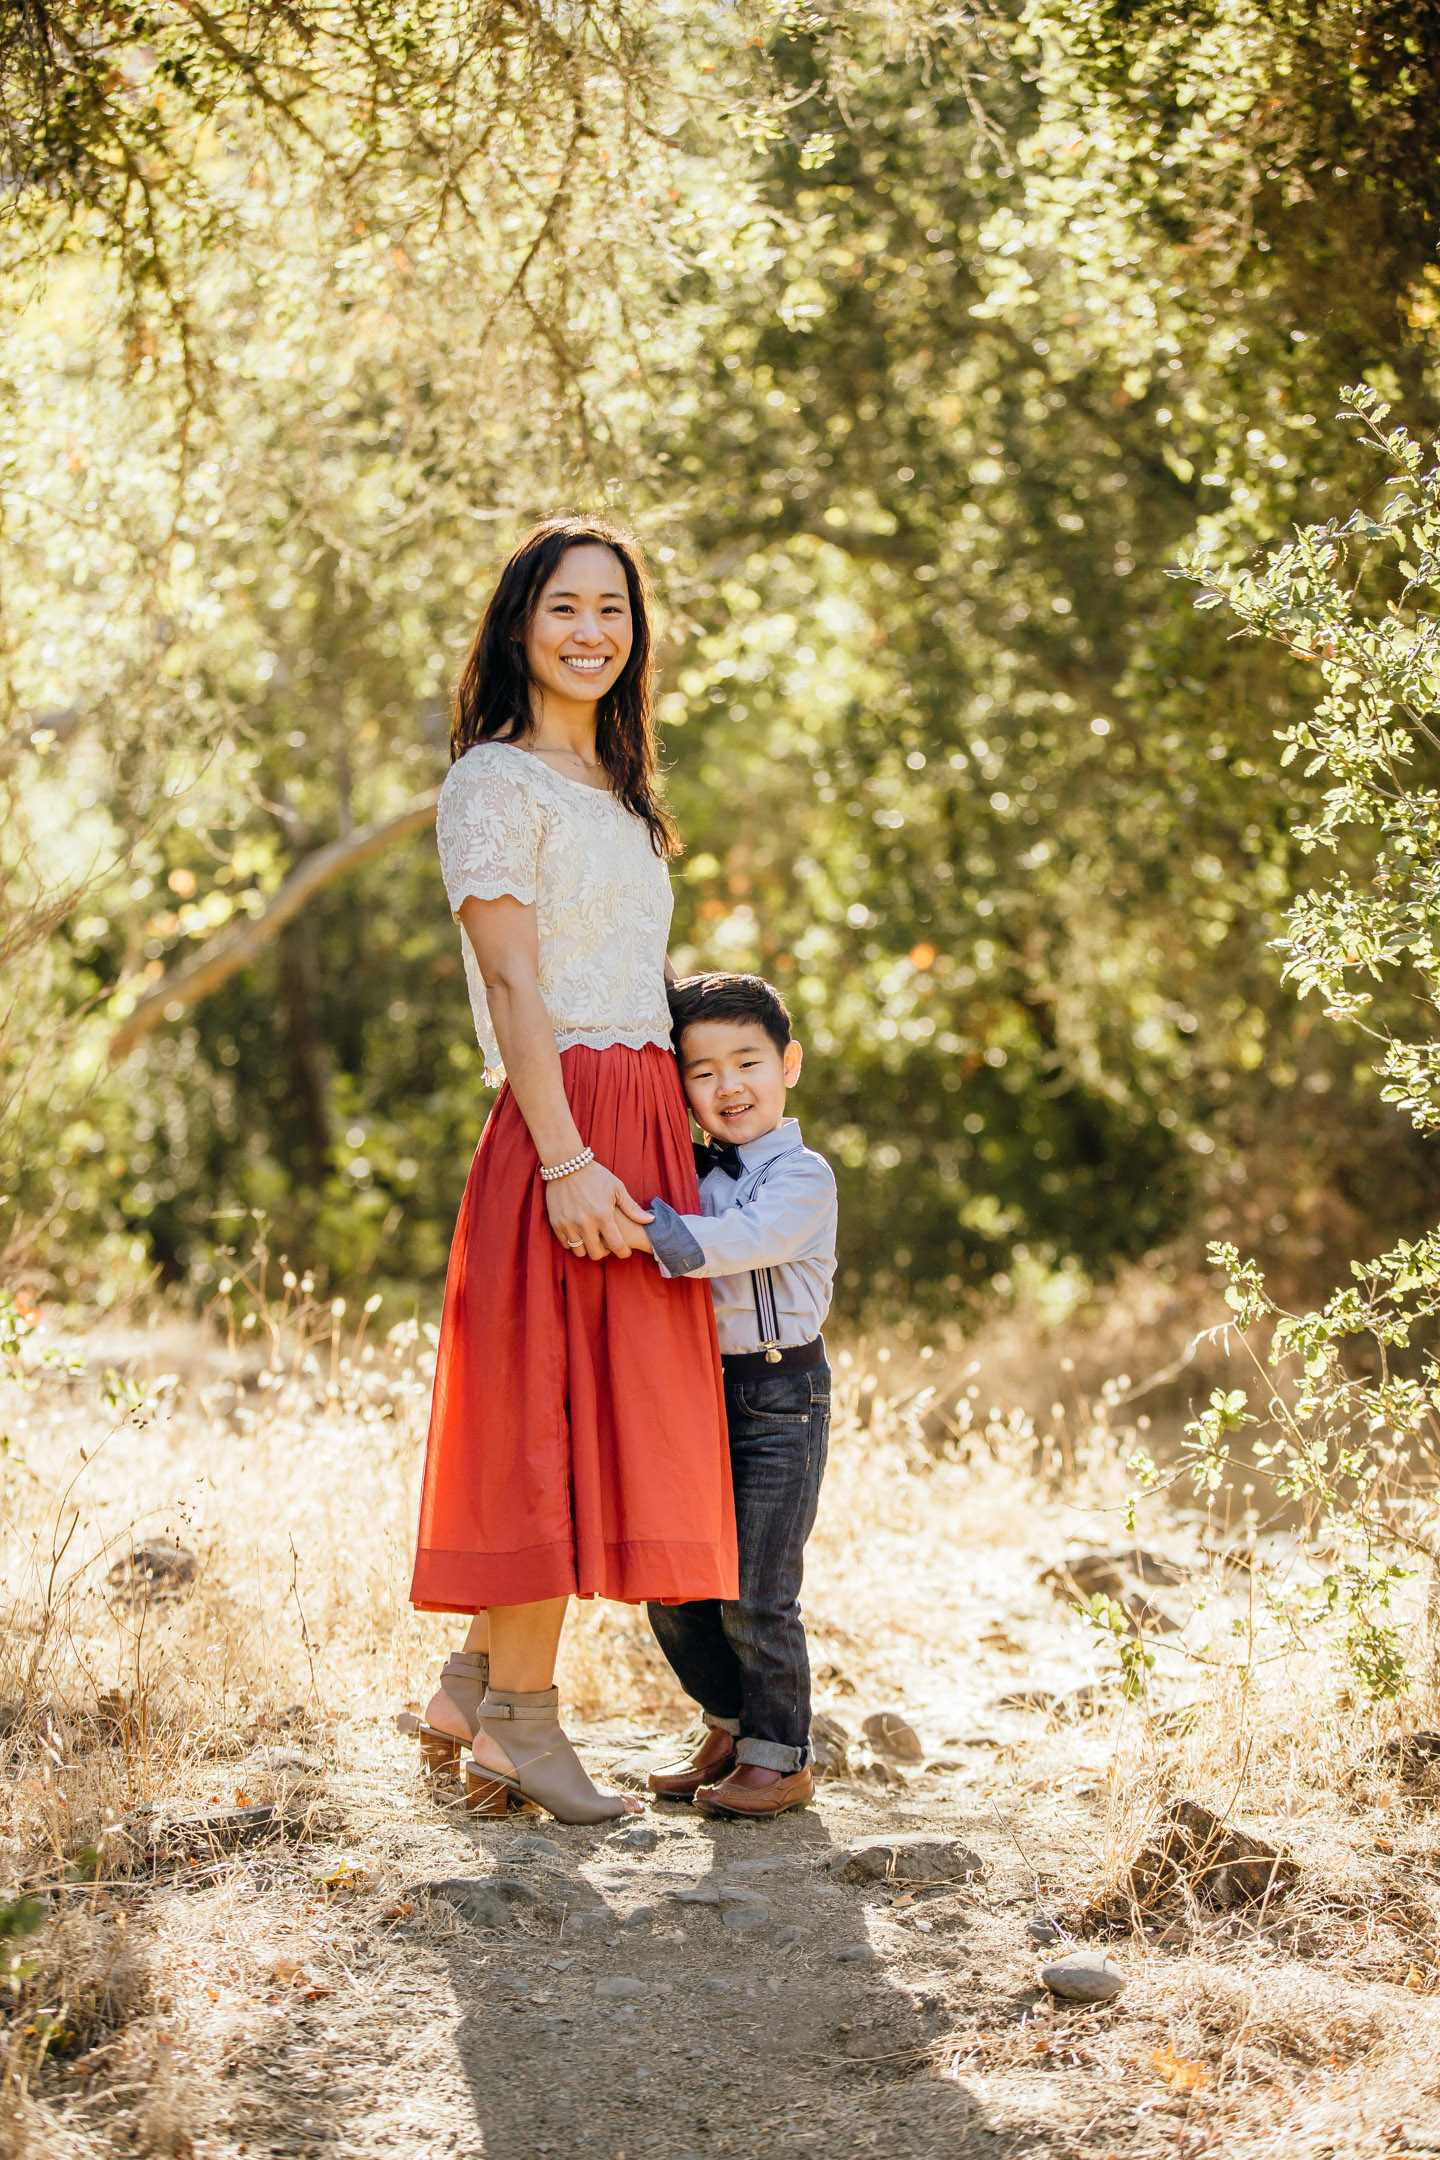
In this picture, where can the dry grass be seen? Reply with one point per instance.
(286, 1455)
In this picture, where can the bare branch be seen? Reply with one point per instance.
(232, 950)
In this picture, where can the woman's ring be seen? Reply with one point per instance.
(576, 1244)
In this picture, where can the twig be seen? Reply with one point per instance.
(304, 1627)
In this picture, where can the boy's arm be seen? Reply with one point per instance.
(793, 1213)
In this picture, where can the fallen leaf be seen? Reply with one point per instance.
(1414, 1979)
(242, 1799)
(1182, 2075)
(288, 1972)
(343, 1877)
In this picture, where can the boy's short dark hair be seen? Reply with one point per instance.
(728, 997)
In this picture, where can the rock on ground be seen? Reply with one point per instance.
(914, 1856)
(1085, 1976)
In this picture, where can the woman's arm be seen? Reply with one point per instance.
(587, 1207)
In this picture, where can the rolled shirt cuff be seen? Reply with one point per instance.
(676, 1251)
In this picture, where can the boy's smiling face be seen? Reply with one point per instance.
(735, 1077)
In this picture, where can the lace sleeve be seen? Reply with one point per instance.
(487, 829)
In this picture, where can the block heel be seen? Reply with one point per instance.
(464, 1678)
(493, 1797)
(440, 1752)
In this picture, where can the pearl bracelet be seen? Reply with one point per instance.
(565, 1169)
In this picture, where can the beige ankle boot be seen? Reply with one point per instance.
(546, 1768)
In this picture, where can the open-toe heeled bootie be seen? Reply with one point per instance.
(547, 1771)
(464, 1677)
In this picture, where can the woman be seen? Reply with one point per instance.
(577, 1434)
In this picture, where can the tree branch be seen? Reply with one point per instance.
(222, 956)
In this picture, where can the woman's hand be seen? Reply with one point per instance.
(588, 1209)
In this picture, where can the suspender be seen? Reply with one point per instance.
(762, 1289)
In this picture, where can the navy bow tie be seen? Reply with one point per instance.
(720, 1155)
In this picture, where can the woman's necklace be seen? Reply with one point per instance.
(585, 764)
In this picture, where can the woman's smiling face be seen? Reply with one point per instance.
(579, 637)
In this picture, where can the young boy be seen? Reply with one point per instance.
(766, 1239)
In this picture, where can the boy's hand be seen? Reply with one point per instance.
(637, 1237)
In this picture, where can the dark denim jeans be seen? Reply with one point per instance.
(745, 1662)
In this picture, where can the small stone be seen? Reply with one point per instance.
(916, 1856)
(1087, 1701)
(885, 1775)
(791, 1934)
(487, 1901)
(858, 1954)
(746, 1916)
(1222, 1867)
(201, 1836)
(640, 1917)
(1085, 1976)
(701, 1893)
(829, 1746)
(742, 1870)
(1414, 1755)
(1086, 1573)
(280, 1758)
(538, 1848)
(1044, 1932)
(157, 1569)
(620, 1989)
(1035, 1698)
(889, 1734)
(640, 1837)
(739, 1893)
(717, 1987)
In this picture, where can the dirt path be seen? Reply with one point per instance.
(678, 1987)
(673, 1986)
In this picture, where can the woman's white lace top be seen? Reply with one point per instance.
(507, 824)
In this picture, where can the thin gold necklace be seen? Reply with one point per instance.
(540, 750)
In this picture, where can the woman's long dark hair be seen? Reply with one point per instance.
(493, 695)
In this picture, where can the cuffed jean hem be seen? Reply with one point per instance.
(721, 1724)
(770, 1755)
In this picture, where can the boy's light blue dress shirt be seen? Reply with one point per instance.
(776, 1221)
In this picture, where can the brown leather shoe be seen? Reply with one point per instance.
(714, 1757)
(756, 1793)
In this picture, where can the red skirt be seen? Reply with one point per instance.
(577, 1429)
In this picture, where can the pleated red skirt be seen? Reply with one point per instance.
(577, 1428)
